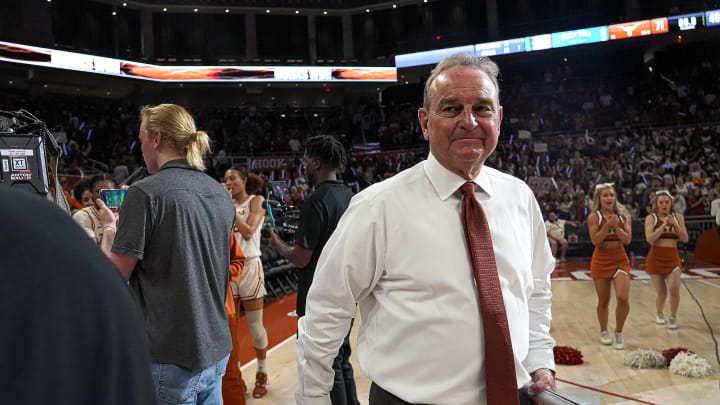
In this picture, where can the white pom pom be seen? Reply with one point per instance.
(645, 358)
(690, 365)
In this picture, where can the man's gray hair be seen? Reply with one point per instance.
(462, 59)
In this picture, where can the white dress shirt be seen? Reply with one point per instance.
(400, 252)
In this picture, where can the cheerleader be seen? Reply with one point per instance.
(610, 229)
(663, 228)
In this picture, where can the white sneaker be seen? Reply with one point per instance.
(619, 341)
(605, 338)
(673, 323)
(659, 319)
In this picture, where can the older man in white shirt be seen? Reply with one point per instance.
(400, 253)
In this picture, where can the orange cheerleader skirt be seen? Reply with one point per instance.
(606, 262)
(662, 260)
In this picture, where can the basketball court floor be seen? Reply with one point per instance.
(602, 379)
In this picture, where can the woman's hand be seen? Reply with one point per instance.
(108, 217)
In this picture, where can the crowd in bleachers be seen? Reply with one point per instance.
(642, 130)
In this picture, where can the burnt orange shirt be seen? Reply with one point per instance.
(237, 264)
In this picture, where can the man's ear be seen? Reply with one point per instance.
(423, 119)
(157, 140)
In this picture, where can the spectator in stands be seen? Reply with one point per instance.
(556, 234)
(245, 189)
(72, 332)
(663, 228)
(324, 161)
(296, 196)
(82, 192)
(610, 228)
(387, 250)
(119, 171)
(679, 202)
(173, 244)
(697, 202)
(715, 207)
(90, 219)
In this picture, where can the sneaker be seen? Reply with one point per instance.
(659, 319)
(260, 383)
(673, 323)
(619, 341)
(605, 338)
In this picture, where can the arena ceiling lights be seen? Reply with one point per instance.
(52, 58)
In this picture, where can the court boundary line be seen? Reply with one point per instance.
(709, 283)
(605, 392)
(272, 349)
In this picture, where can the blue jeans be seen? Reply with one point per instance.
(179, 385)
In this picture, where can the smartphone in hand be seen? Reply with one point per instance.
(112, 197)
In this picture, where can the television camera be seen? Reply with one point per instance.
(29, 156)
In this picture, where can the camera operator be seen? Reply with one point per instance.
(320, 214)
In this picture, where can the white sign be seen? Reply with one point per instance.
(524, 134)
(303, 73)
(540, 147)
(19, 163)
(16, 152)
(78, 61)
(540, 184)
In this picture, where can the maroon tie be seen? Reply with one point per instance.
(500, 377)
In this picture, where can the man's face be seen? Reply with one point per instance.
(149, 152)
(552, 216)
(462, 123)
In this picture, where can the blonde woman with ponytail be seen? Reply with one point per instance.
(610, 229)
(173, 245)
(663, 228)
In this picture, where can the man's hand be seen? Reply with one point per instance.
(108, 217)
(275, 240)
(543, 379)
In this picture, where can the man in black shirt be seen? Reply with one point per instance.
(320, 214)
(71, 332)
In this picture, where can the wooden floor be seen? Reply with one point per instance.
(575, 324)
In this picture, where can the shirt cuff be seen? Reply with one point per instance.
(539, 358)
(127, 252)
(302, 400)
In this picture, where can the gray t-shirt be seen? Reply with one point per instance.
(177, 223)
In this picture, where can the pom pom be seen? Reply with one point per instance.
(690, 365)
(671, 353)
(645, 358)
(567, 355)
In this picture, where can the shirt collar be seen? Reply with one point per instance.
(178, 163)
(446, 182)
